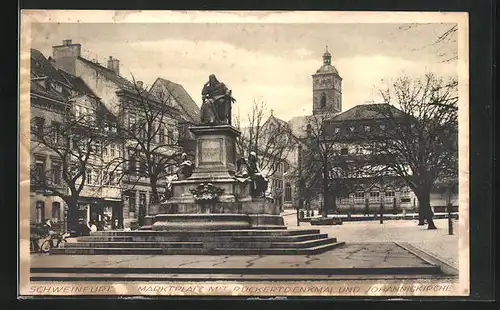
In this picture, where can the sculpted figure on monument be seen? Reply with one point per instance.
(259, 182)
(185, 168)
(216, 102)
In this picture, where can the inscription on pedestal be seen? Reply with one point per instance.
(210, 151)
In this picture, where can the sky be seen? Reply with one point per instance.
(264, 62)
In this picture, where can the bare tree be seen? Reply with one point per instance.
(325, 167)
(442, 41)
(272, 141)
(75, 145)
(419, 139)
(148, 124)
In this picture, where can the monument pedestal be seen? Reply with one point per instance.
(234, 208)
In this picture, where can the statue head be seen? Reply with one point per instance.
(212, 79)
(252, 155)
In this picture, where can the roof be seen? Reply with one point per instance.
(77, 83)
(327, 69)
(368, 112)
(182, 97)
(41, 66)
(111, 75)
(42, 71)
(298, 125)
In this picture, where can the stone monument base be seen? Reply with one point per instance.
(227, 221)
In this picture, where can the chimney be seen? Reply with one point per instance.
(65, 55)
(114, 64)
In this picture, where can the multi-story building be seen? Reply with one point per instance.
(128, 198)
(362, 192)
(59, 103)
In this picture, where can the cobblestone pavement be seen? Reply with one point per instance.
(361, 255)
(436, 242)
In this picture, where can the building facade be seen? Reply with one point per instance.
(357, 192)
(114, 198)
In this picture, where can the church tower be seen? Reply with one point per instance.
(327, 87)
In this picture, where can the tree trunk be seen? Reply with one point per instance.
(72, 216)
(326, 198)
(425, 209)
(155, 197)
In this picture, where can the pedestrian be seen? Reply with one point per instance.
(92, 226)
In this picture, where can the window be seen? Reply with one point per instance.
(131, 123)
(131, 202)
(170, 136)
(132, 164)
(162, 134)
(97, 147)
(39, 123)
(105, 151)
(39, 169)
(344, 151)
(374, 195)
(56, 130)
(56, 212)
(40, 211)
(359, 197)
(57, 87)
(74, 143)
(56, 173)
(142, 165)
(323, 101)
(288, 192)
(89, 176)
(112, 150)
(389, 194)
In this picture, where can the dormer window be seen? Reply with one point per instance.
(351, 128)
(367, 128)
(57, 87)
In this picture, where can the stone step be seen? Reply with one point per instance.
(248, 244)
(126, 244)
(218, 233)
(105, 238)
(278, 251)
(304, 244)
(196, 238)
(197, 251)
(296, 238)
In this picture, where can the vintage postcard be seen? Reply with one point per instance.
(258, 154)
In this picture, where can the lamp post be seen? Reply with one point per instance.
(382, 199)
(449, 207)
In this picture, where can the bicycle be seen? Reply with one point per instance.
(56, 240)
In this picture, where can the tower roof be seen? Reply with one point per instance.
(327, 66)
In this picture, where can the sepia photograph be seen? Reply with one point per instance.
(168, 153)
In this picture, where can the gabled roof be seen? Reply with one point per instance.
(41, 66)
(43, 72)
(368, 112)
(111, 75)
(186, 103)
